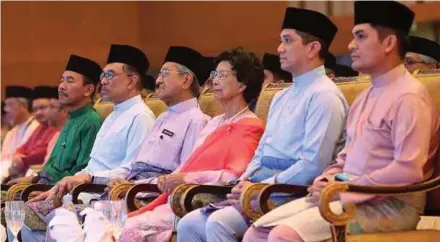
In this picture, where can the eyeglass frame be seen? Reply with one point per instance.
(164, 73)
(104, 74)
(215, 73)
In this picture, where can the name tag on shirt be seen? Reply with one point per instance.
(167, 132)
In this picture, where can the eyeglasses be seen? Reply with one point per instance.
(221, 75)
(164, 73)
(109, 75)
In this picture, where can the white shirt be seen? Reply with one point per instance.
(16, 137)
(120, 137)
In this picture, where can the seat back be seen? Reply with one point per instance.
(155, 104)
(209, 105)
(103, 108)
(351, 87)
(265, 98)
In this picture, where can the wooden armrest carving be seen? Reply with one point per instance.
(176, 197)
(261, 192)
(115, 193)
(86, 187)
(131, 194)
(327, 195)
(246, 199)
(185, 195)
(15, 189)
(33, 188)
(334, 189)
(267, 191)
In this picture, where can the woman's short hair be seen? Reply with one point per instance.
(248, 69)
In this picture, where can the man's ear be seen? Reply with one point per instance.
(90, 88)
(315, 48)
(187, 82)
(390, 43)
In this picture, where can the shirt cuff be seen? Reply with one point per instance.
(100, 180)
(271, 180)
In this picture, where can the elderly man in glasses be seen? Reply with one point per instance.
(175, 132)
(423, 54)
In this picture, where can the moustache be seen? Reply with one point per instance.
(62, 94)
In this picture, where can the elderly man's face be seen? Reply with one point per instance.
(414, 61)
(170, 82)
(14, 109)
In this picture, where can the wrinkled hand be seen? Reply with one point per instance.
(68, 183)
(238, 189)
(34, 194)
(26, 179)
(47, 195)
(169, 182)
(115, 182)
(315, 192)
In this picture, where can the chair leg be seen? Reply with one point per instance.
(338, 233)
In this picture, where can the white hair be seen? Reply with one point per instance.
(195, 86)
(23, 101)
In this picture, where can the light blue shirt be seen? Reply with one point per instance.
(119, 140)
(173, 136)
(305, 125)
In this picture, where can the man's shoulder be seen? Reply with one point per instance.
(91, 119)
(140, 111)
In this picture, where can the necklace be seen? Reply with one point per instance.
(223, 120)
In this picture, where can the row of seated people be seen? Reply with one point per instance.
(392, 131)
(423, 54)
(47, 110)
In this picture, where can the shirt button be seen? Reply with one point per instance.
(268, 139)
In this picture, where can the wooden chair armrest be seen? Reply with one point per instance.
(33, 188)
(116, 192)
(333, 189)
(86, 187)
(338, 222)
(267, 191)
(246, 198)
(133, 191)
(176, 197)
(183, 195)
(262, 192)
(16, 189)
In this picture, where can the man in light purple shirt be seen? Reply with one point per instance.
(174, 134)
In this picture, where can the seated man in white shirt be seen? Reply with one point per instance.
(123, 131)
(173, 136)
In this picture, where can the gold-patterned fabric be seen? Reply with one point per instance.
(103, 108)
(156, 105)
(209, 105)
(33, 221)
(265, 99)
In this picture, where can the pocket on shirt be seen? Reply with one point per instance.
(378, 135)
